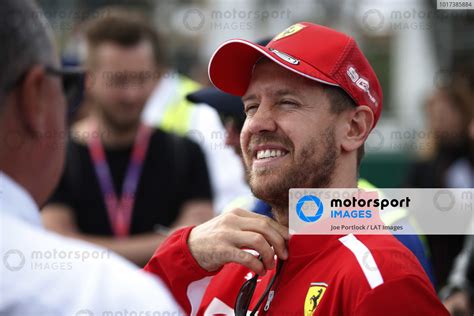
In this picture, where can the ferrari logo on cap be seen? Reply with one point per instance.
(313, 297)
(290, 30)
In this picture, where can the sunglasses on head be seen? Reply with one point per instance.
(73, 86)
(72, 83)
(247, 290)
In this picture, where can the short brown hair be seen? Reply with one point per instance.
(123, 27)
(340, 101)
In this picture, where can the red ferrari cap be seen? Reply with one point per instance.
(310, 50)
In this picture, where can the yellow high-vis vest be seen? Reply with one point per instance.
(177, 116)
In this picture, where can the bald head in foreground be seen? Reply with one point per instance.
(43, 273)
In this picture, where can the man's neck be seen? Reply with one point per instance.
(281, 215)
(19, 169)
(115, 137)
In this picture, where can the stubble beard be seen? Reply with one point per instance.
(117, 126)
(313, 169)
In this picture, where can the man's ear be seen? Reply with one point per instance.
(31, 100)
(360, 123)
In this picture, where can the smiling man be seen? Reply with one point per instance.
(311, 99)
(289, 137)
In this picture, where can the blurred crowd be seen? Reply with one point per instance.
(449, 164)
(127, 85)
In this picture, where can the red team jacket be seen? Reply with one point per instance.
(358, 275)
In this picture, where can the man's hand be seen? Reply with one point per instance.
(221, 240)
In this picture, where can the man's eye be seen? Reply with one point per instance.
(249, 110)
(288, 102)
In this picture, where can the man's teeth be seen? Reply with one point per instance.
(269, 153)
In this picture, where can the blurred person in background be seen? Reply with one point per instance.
(450, 161)
(458, 294)
(125, 183)
(169, 109)
(32, 125)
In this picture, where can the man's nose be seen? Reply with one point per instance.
(132, 92)
(263, 120)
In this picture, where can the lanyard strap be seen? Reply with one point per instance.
(120, 210)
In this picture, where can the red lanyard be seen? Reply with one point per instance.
(120, 210)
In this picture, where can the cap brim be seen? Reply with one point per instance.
(231, 66)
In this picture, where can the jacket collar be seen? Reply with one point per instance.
(16, 202)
